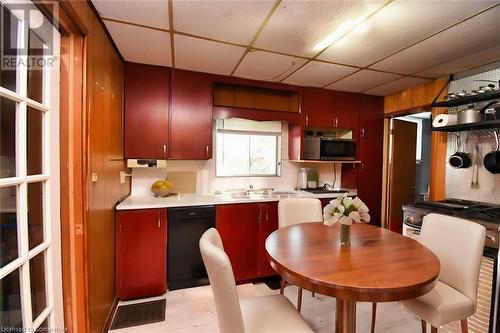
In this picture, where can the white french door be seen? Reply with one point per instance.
(30, 258)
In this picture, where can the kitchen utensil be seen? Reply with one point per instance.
(475, 168)
(459, 160)
(492, 159)
(471, 115)
(462, 94)
(489, 87)
(302, 178)
(450, 96)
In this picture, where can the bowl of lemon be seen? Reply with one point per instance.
(161, 188)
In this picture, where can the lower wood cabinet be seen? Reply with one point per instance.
(244, 229)
(141, 244)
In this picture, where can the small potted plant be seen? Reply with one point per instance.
(346, 211)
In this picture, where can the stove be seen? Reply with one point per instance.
(322, 190)
(485, 214)
(487, 316)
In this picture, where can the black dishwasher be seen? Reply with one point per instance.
(184, 263)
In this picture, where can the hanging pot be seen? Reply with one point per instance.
(492, 159)
(460, 160)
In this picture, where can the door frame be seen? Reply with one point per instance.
(437, 163)
(73, 162)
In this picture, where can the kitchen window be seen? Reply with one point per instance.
(247, 148)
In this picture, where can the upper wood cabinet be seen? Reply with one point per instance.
(168, 113)
(191, 116)
(258, 98)
(146, 111)
(419, 97)
(317, 107)
(346, 110)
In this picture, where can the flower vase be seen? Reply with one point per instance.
(345, 234)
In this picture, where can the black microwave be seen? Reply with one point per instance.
(329, 149)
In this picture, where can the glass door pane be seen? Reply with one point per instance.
(29, 171)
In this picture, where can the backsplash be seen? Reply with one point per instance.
(207, 183)
(458, 181)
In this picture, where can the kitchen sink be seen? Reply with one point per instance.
(262, 195)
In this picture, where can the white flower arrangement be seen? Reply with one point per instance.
(346, 211)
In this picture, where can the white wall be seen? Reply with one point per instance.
(458, 181)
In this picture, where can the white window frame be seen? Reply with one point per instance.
(50, 178)
(279, 150)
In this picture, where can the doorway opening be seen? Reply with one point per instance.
(409, 158)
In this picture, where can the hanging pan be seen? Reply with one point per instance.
(492, 159)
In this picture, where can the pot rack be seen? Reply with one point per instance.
(465, 100)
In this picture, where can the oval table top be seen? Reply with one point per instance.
(378, 266)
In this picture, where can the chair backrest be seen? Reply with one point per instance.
(220, 274)
(299, 210)
(459, 246)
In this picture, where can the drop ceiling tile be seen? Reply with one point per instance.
(142, 45)
(298, 26)
(473, 35)
(205, 56)
(464, 63)
(230, 21)
(398, 25)
(319, 74)
(146, 12)
(363, 80)
(260, 65)
(396, 86)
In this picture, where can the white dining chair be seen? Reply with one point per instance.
(459, 246)
(293, 211)
(264, 314)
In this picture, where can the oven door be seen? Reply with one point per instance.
(337, 149)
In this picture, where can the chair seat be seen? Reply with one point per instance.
(442, 305)
(273, 314)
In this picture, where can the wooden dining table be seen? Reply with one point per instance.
(378, 266)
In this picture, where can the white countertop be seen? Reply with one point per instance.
(193, 199)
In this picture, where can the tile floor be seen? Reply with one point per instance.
(193, 311)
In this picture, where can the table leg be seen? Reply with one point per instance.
(345, 317)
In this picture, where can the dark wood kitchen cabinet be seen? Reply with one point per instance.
(346, 110)
(269, 223)
(141, 244)
(371, 143)
(146, 111)
(244, 229)
(191, 116)
(317, 107)
(238, 226)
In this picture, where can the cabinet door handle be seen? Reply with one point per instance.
(267, 214)
(159, 220)
(206, 150)
(165, 151)
(336, 122)
(362, 133)
(307, 120)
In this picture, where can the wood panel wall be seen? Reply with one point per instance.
(418, 99)
(102, 126)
